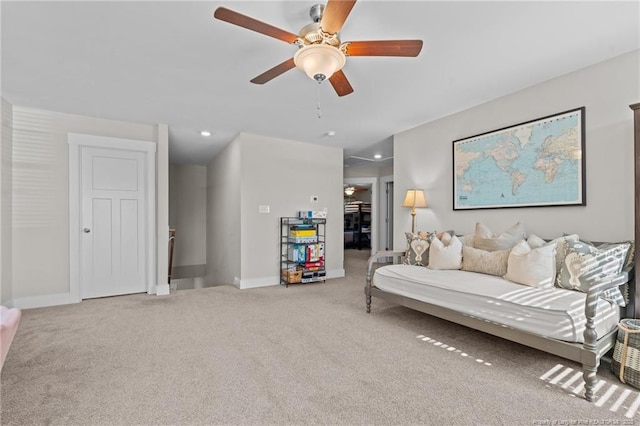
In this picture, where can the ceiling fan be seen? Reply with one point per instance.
(321, 54)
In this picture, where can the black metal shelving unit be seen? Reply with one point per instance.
(302, 246)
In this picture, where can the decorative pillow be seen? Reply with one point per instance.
(630, 254)
(562, 244)
(485, 262)
(445, 253)
(468, 240)
(586, 265)
(534, 241)
(417, 248)
(485, 239)
(629, 259)
(534, 267)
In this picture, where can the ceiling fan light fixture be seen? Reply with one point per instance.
(319, 61)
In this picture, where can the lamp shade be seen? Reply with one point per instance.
(319, 61)
(415, 198)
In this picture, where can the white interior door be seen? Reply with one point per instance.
(112, 218)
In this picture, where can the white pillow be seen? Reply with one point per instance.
(532, 267)
(562, 248)
(485, 239)
(445, 253)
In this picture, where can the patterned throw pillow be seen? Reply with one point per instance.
(485, 262)
(630, 254)
(418, 248)
(629, 259)
(586, 265)
(485, 239)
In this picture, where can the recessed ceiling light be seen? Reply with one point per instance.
(331, 133)
(377, 156)
(205, 133)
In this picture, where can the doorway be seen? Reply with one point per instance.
(112, 215)
(386, 206)
(371, 226)
(357, 216)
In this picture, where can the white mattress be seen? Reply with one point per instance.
(555, 312)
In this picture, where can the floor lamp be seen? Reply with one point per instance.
(414, 198)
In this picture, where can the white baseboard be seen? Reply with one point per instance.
(162, 289)
(335, 273)
(258, 282)
(44, 301)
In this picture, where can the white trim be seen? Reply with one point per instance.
(163, 289)
(257, 282)
(44, 301)
(150, 158)
(76, 143)
(74, 220)
(383, 209)
(335, 273)
(373, 181)
(76, 139)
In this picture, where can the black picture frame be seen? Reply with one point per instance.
(536, 163)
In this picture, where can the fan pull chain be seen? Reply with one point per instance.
(318, 100)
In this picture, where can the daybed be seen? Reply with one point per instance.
(576, 323)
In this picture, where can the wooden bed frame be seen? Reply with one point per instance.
(588, 354)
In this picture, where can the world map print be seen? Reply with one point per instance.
(538, 163)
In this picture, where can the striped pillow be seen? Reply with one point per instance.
(586, 265)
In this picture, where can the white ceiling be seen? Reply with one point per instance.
(171, 62)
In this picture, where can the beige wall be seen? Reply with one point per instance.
(423, 156)
(188, 215)
(223, 216)
(6, 152)
(41, 198)
(242, 245)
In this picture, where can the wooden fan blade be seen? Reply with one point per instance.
(340, 83)
(274, 72)
(224, 14)
(383, 48)
(334, 15)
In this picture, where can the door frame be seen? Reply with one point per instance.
(386, 207)
(373, 181)
(76, 142)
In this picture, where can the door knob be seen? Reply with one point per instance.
(86, 230)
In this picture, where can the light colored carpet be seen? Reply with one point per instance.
(307, 354)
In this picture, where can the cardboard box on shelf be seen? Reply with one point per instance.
(313, 214)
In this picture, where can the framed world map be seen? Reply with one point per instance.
(533, 164)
